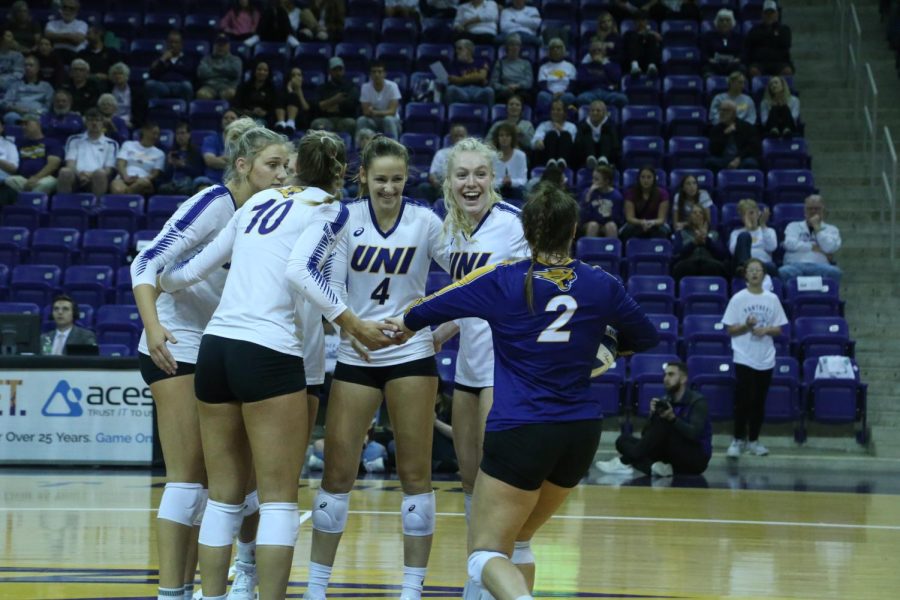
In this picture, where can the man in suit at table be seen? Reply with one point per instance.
(66, 333)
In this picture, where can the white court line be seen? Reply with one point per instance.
(307, 514)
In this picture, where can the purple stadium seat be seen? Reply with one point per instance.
(207, 114)
(834, 400)
(641, 89)
(783, 399)
(704, 178)
(784, 213)
(733, 185)
(716, 84)
(822, 336)
(819, 303)
(446, 366)
(428, 53)
(709, 8)
(34, 283)
(648, 257)
(356, 56)
(124, 23)
(679, 33)
(72, 210)
(683, 90)
(395, 56)
(144, 51)
(199, 25)
(167, 112)
(159, 23)
(785, 154)
(4, 282)
(13, 245)
(422, 147)
(608, 390)
(27, 211)
(124, 294)
(667, 328)
(713, 376)
(19, 308)
(160, 208)
(114, 350)
(54, 246)
(703, 295)
(424, 117)
(276, 54)
(685, 121)
(473, 116)
(399, 30)
(688, 152)
(119, 324)
(365, 9)
(707, 335)
(104, 247)
(638, 151)
(312, 56)
(681, 61)
(647, 379)
(789, 185)
(641, 120)
(605, 252)
(120, 211)
(655, 294)
(88, 285)
(631, 25)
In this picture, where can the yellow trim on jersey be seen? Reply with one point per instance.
(480, 271)
(290, 190)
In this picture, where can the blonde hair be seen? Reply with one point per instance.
(457, 223)
(245, 139)
(321, 160)
(785, 91)
(746, 204)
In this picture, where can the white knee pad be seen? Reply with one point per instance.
(220, 523)
(417, 514)
(251, 504)
(522, 554)
(198, 515)
(279, 523)
(329, 514)
(180, 502)
(477, 560)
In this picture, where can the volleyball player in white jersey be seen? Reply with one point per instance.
(482, 230)
(250, 379)
(173, 325)
(381, 265)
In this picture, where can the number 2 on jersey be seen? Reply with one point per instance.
(381, 293)
(265, 213)
(554, 331)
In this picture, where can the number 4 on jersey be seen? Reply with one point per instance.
(381, 293)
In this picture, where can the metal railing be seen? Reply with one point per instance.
(889, 181)
(870, 120)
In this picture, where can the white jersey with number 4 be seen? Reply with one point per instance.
(260, 301)
(380, 273)
(497, 238)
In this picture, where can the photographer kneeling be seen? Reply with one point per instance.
(677, 437)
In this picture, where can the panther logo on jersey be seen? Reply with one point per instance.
(561, 277)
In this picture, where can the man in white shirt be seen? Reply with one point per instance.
(810, 244)
(521, 19)
(9, 156)
(433, 188)
(477, 21)
(66, 333)
(139, 163)
(380, 103)
(67, 32)
(90, 158)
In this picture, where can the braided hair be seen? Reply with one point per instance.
(549, 219)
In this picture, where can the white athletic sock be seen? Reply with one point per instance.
(169, 593)
(246, 551)
(413, 581)
(188, 591)
(318, 579)
(525, 598)
(225, 597)
(467, 501)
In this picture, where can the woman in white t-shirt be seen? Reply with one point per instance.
(753, 317)
(510, 163)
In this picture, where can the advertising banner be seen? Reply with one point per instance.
(75, 416)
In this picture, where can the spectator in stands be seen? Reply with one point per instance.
(53, 71)
(555, 77)
(66, 334)
(433, 188)
(184, 164)
(689, 194)
(646, 208)
(468, 76)
(597, 139)
(510, 163)
(733, 143)
(512, 74)
(39, 159)
(279, 22)
(12, 63)
(67, 32)
(294, 112)
(601, 205)
(599, 77)
(608, 35)
(171, 74)
(767, 48)
(658, 10)
(753, 318)
(477, 20)
(240, 21)
(90, 158)
(554, 140)
(9, 158)
(213, 151)
(219, 73)
(810, 244)
(118, 78)
(322, 20)
(338, 100)
(698, 251)
(677, 437)
(140, 164)
(746, 108)
(779, 111)
(522, 20)
(642, 47)
(439, 9)
(97, 54)
(406, 9)
(379, 103)
(754, 240)
(257, 97)
(30, 95)
(722, 47)
(84, 90)
(25, 30)
(61, 121)
(114, 127)
(525, 128)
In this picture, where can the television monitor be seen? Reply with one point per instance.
(20, 334)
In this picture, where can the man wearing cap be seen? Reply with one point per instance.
(337, 101)
(512, 74)
(90, 158)
(767, 48)
(39, 159)
(219, 73)
(29, 95)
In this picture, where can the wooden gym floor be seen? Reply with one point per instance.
(762, 532)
